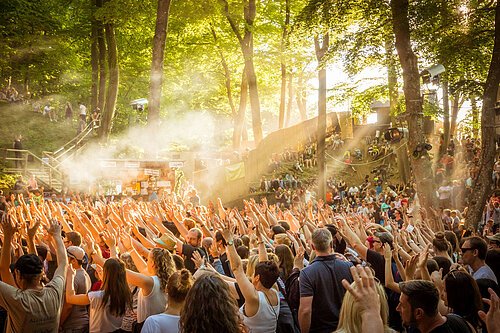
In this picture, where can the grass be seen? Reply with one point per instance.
(39, 134)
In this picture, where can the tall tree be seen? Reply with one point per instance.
(321, 48)
(101, 46)
(112, 87)
(411, 86)
(94, 58)
(482, 185)
(156, 81)
(246, 44)
(283, 46)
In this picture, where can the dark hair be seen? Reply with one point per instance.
(178, 261)
(277, 229)
(246, 240)
(440, 242)
(463, 296)
(332, 229)
(116, 290)
(268, 272)
(285, 256)
(432, 265)
(284, 224)
(243, 251)
(164, 264)
(179, 284)
(220, 238)
(421, 294)
(453, 239)
(493, 260)
(210, 308)
(443, 263)
(74, 237)
(479, 244)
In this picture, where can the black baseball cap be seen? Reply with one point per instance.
(29, 264)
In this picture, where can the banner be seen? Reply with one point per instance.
(235, 171)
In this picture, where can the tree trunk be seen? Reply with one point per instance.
(156, 79)
(290, 100)
(101, 43)
(482, 185)
(321, 127)
(94, 60)
(246, 43)
(455, 107)
(475, 117)
(240, 117)
(281, 117)
(112, 89)
(421, 166)
(227, 73)
(301, 97)
(446, 116)
(284, 45)
(392, 76)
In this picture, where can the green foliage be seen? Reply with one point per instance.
(7, 181)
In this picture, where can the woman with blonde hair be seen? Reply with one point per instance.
(365, 295)
(178, 287)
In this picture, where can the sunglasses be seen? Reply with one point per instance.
(465, 249)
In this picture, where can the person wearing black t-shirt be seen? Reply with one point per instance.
(418, 305)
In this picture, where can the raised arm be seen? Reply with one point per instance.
(62, 258)
(9, 229)
(247, 289)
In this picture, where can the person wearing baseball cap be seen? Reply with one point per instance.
(494, 241)
(31, 307)
(75, 318)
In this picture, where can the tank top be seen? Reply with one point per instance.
(266, 318)
(151, 304)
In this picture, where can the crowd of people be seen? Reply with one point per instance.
(90, 264)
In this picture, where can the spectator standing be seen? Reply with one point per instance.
(83, 111)
(31, 307)
(178, 287)
(108, 305)
(75, 318)
(321, 291)
(18, 145)
(474, 254)
(68, 111)
(418, 305)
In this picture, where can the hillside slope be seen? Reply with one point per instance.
(38, 132)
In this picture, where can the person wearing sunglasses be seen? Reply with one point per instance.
(473, 255)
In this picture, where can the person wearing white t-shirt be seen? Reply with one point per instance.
(83, 111)
(108, 305)
(178, 287)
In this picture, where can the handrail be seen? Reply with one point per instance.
(27, 152)
(89, 125)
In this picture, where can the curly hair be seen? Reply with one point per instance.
(210, 308)
(164, 266)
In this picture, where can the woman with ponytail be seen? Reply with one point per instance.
(178, 287)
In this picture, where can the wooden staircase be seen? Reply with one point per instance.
(48, 168)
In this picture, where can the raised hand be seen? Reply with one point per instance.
(492, 318)
(9, 228)
(197, 259)
(32, 231)
(54, 229)
(411, 266)
(365, 290)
